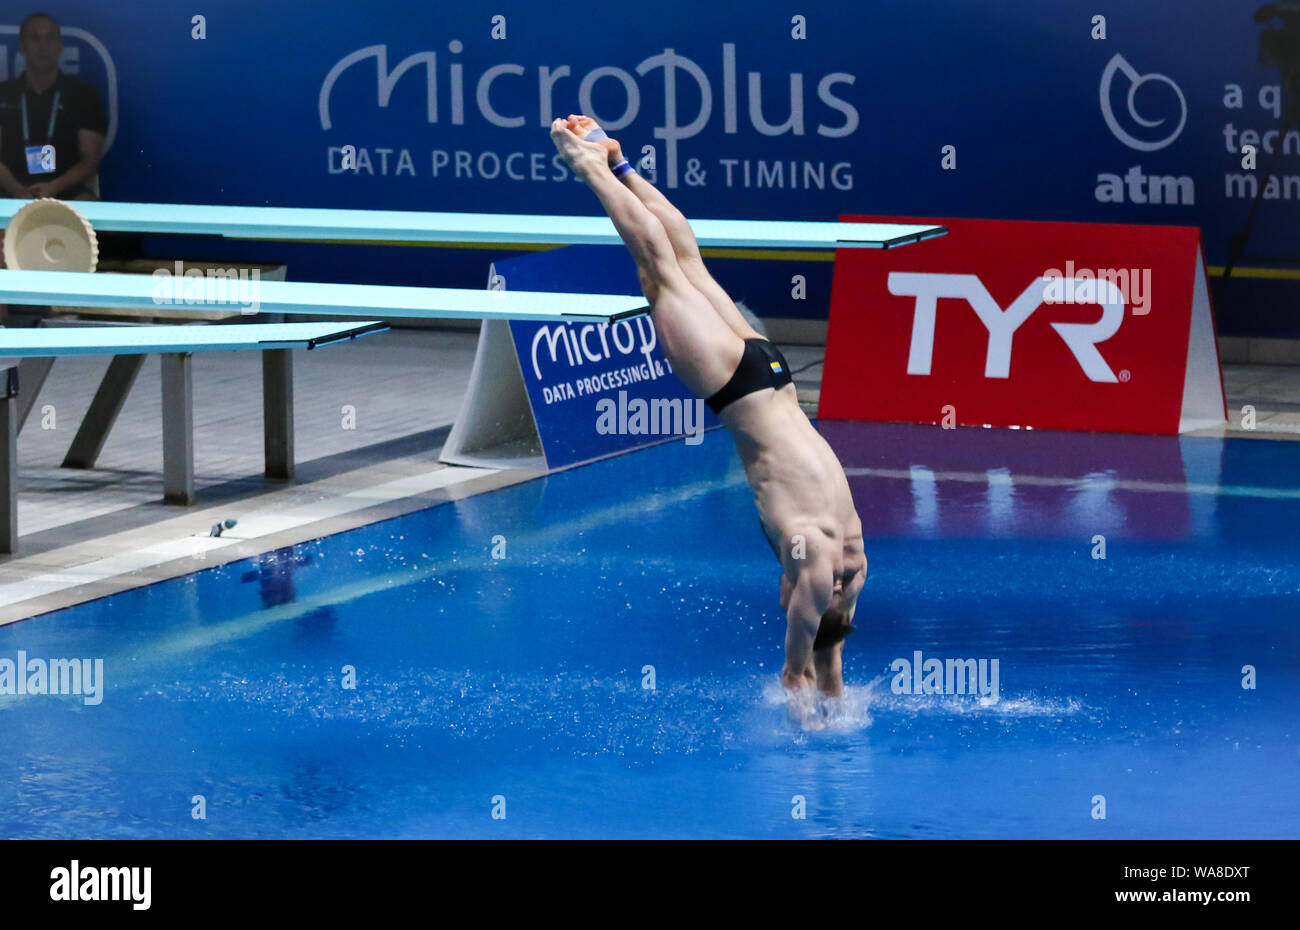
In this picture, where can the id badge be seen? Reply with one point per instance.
(40, 159)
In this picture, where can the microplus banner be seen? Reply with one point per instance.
(1147, 112)
(594, 388)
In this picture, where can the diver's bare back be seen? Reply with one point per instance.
(798, 484)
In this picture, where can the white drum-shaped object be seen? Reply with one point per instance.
(50, 235)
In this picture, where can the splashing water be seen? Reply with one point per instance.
(810, 711)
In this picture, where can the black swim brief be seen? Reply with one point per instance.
(761, 366)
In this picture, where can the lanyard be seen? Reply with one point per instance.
(54, 115)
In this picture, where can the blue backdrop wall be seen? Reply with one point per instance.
(745, 120)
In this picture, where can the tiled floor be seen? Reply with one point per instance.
(347, 398)
(404, 390)
(1274, 392)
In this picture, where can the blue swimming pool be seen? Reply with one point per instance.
(501, 645)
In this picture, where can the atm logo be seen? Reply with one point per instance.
(1145, 132)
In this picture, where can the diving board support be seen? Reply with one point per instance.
(103, 411)
(176, 346)
(9, 460)
(178, 427)
(495, 427)
(277, 413)
(31, 372)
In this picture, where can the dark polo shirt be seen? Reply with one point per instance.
(79, 108)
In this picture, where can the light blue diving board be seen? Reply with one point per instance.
(137, 292)
(516, 228)
(146, 340)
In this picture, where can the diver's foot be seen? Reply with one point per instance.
(585, 125)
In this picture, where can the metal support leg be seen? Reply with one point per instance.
(277, 412)
(32, 372)
(103, 411)
(9, 461)
(178, 428)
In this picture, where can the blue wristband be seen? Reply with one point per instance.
(622, 168)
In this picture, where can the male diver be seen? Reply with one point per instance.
(803, 499)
